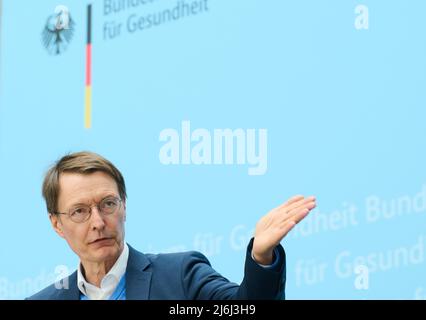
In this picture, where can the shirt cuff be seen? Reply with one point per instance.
(276, 257)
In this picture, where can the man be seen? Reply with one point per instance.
(85, 196)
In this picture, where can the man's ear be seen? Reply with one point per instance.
(56, 224)
(125, 212)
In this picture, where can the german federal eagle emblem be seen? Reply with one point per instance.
(58, 31)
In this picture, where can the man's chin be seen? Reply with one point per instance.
(105, 253)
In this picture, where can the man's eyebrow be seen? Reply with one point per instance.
(81, 203)
(78, 203)
(109, 196)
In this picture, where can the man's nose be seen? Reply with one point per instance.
(97, 219)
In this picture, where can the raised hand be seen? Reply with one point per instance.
(274, 226)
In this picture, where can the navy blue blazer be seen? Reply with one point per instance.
(186, 276)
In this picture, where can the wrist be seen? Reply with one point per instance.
(266, 258)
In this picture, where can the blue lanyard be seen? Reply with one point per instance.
(120, 292)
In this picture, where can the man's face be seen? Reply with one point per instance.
(101, 237)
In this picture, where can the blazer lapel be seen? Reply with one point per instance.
(138, 280)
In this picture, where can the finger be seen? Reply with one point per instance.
(307, 205)
(293, 216)
(290, 216)
(290, 201)
(295, 198)
(300, 203)
(299, 216)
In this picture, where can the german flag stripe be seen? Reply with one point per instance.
(88, 91)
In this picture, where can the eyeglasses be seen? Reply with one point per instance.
(82, 213)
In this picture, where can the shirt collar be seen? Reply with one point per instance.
(110, 280)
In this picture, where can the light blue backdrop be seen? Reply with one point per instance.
(343, 108)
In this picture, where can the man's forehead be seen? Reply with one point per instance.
(85, 187)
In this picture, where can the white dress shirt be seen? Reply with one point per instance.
(109, 281)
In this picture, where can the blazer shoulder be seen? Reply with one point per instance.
(65, 289)
(178, 258)
(47, 293)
